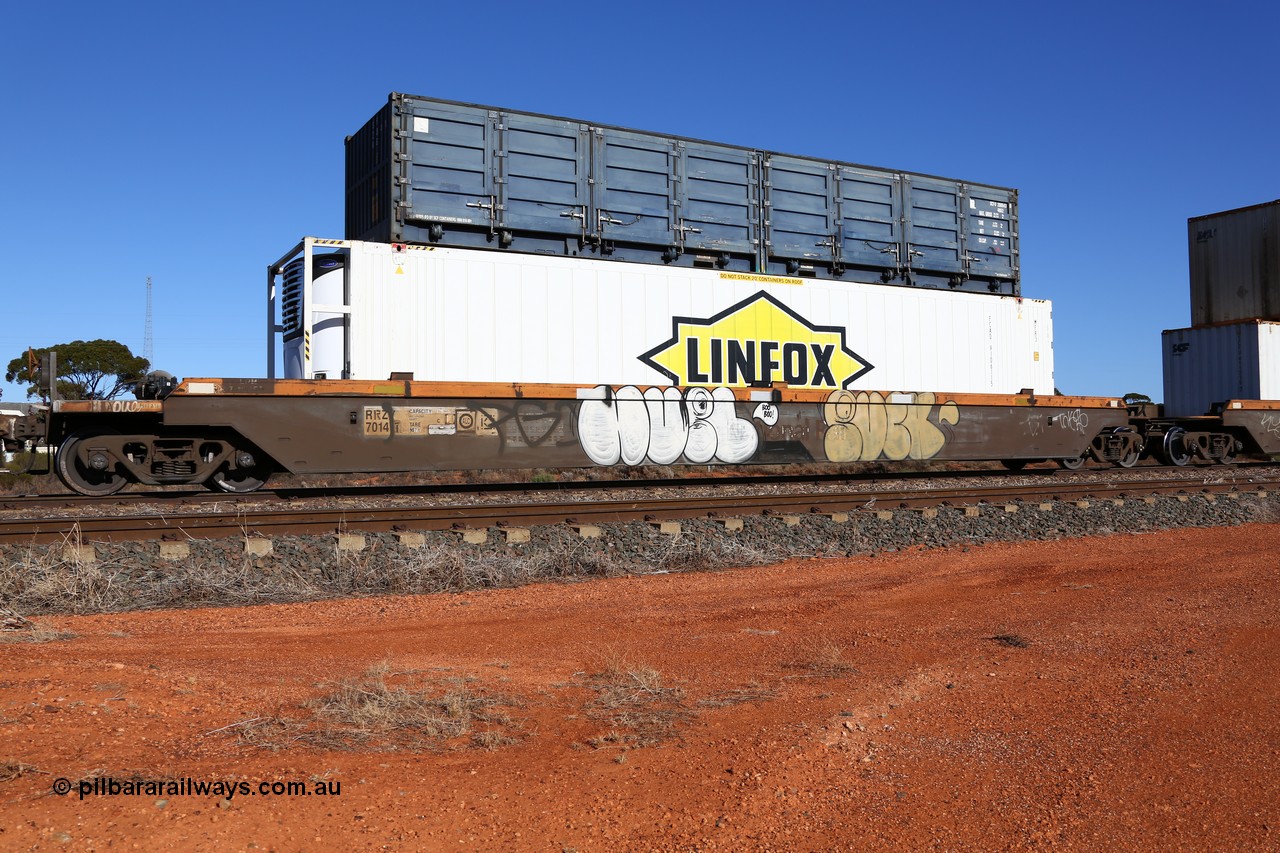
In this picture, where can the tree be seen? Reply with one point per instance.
(87, 370)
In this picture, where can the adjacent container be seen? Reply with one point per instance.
(465, 315)
(1235, 265)
(1208, 365)
(436, 172)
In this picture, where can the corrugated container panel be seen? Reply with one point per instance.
(991, 233)
(544, 167)
(1207, 365)
(1235, 265)
(871, 217)
(449, 169)
(371, 195)
(934, 211)
(718, 198)
(635, 187)
(463, 315)
(801, 214)
(426, 171)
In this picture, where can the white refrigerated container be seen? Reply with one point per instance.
(468, 315)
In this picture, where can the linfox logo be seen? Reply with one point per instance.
(757, 342)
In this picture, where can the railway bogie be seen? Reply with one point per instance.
(103, 446)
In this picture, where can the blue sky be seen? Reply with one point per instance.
(196, 144)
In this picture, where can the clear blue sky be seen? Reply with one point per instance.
(197, 143)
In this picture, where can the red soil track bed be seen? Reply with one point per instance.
(1141, 711)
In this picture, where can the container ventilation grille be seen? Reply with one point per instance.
(291, 298)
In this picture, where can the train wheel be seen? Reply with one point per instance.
(1130, 459)
(246, 476)
(97, 478)
(238, 480)
(1173, 447)
(1076, 462)
(1014, 464)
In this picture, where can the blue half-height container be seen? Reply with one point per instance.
(429, 171)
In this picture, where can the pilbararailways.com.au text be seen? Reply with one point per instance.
(226, 789)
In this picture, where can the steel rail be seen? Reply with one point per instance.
(196, 496)
(316, 521)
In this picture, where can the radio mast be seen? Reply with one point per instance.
(147, 343)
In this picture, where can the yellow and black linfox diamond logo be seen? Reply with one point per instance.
(758, 342)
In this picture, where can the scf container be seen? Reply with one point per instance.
(443, 173)
(1207, 365)
(359, 310)
(1235, 265)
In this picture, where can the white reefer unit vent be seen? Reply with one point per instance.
(469, 315)
(1212, 364)
(321, 341)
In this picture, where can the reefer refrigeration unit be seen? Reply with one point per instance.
(359, 310)
(449, 174)
(1206, 365)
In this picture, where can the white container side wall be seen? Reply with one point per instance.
(459, 315)
(1213, 364)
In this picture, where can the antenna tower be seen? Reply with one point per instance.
(147, 344)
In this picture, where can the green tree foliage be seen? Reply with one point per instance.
(87, 370)
(1133, 398)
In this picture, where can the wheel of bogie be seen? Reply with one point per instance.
(237, 481)
(1228, 455)
(1075, 463)
(85, 478)
(1173, 447)
(1129, 459)
(1014, 464)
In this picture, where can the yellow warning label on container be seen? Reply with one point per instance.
(767, 279)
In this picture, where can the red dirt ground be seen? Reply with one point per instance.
(1141, 713)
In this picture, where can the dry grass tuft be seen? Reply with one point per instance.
(639, 709)
(10, 770)
(16, 628)
(754, 692)
(822, 659)
(387, 710)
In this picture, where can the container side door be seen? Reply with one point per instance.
(544, 175)
(991, 239)
(717, 198)
(451, 165)
(870, 216)
(800, 210)
(634, 189)
(933, 225)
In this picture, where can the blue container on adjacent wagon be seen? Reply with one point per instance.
(430, 171)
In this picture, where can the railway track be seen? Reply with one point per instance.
(174, 521)
(183, 497)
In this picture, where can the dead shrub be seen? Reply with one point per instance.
(822, 659)
(386, 710)
(752, 693)
(11, 769)
(16, 628)
(639, 709)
